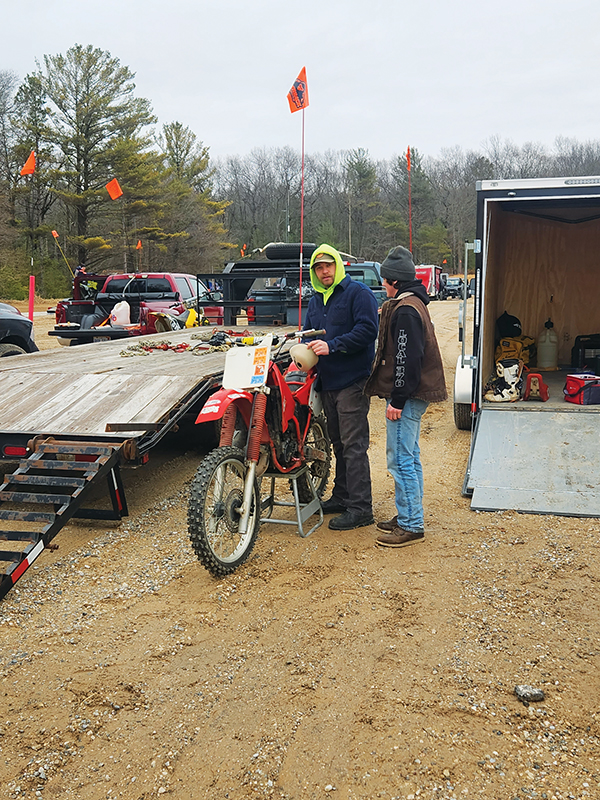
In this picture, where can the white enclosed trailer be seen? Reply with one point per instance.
(537, 257)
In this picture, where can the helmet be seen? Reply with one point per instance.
(303, 357)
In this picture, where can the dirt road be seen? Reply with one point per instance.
(324, 667)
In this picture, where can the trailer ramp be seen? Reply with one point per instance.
(46, 491)
(536, 460)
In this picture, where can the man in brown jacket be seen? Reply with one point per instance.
(408, 372)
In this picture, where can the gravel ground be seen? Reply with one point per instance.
(324, 667)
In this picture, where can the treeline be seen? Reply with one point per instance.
(79, 114)
(361, 205)
(181, 212)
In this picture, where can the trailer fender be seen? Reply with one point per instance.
(219, 402)
(463, 383)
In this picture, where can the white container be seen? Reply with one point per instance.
(547, 347)
(120, 315)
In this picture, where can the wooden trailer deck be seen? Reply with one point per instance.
(90, 409)
(84, 390)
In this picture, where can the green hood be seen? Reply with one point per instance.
(340, 271)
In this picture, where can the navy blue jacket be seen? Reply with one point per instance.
(350, 320)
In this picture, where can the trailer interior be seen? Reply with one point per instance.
(540, 260)
(543, 261)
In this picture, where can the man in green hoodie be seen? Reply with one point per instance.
(347, 310)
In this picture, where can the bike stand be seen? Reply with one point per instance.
(303, 510)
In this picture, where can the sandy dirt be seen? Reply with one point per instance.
(324, 667)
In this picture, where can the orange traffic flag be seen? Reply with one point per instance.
(139, 245)
(55, 234)
(298, 94)
(113, 189)
(408, 158)
(29, 167)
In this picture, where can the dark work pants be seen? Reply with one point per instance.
(348, 425)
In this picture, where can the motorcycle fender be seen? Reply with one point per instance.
(315, 402)
(219, 402)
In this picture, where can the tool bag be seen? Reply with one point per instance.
(583, 390)
(522, 347)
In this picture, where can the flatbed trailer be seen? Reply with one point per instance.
(73, 416)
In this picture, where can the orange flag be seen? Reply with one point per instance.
(408, 158)
(29, 167)
(139, 245)
(55, 234)
(298, 94)
(113, 189)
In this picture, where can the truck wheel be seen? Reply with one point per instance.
(10, 350)
(462, 416)
(282, 250)
(213, 512)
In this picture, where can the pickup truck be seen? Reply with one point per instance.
(268, 287)
(86, 317)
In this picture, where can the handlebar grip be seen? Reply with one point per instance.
(313, 333)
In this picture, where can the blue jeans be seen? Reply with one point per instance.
(404, 464)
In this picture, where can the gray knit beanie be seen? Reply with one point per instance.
(398, 265)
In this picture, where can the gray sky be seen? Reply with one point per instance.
(382, 74)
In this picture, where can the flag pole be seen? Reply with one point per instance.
(301, 227)
(57, 243)
(298, 99)
(409, 202)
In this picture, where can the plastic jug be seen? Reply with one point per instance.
(120, 315)
(547, 347)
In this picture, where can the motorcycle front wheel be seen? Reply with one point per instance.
(216, 497)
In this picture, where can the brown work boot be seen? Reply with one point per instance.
(388, 526)
(399, 538)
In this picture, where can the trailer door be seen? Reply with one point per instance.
(535, 460)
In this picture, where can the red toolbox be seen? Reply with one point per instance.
(583, 389)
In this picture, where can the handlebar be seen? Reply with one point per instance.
(309, 334)
(221, 337)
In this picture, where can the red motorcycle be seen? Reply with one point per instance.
(271, 423)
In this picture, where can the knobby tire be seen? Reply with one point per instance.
(215, 493)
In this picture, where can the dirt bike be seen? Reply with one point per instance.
(271, 423)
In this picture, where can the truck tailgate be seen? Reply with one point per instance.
(536, 460)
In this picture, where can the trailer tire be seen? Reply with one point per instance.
(11, 350)
(278, 251)
(462, 416)
(215, 495)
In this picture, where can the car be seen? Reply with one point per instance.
(16, 332)
(454, 287)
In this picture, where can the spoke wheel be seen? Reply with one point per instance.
(317, 442)
(213, 513)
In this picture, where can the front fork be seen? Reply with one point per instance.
(257, 423)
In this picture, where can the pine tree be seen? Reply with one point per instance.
(93, 108)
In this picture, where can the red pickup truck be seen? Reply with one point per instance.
(86, 317)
